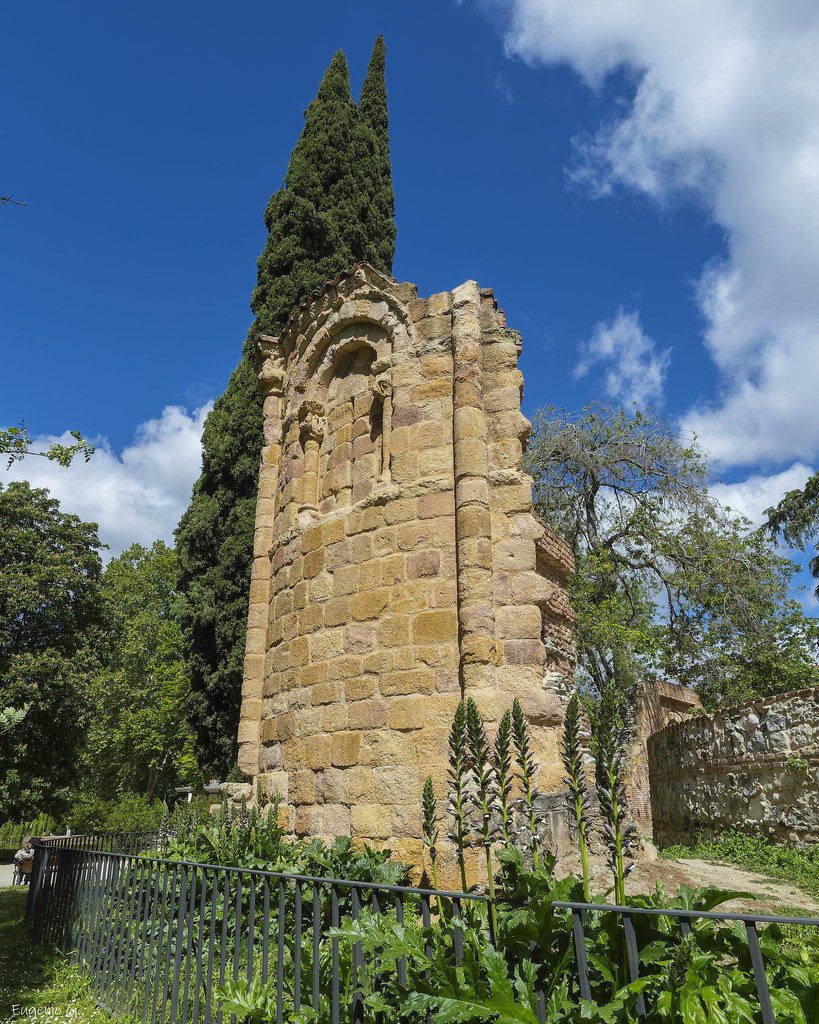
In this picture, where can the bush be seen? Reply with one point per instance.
(126, 813)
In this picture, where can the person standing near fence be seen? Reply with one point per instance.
(23, 860)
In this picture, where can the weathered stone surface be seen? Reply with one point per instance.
(752, 768)
(398, 564)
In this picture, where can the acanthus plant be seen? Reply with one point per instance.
(611, 794)
(575, 779)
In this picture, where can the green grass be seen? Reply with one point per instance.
(798, 867)
(36, 983)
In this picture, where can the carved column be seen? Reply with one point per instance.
(270, 367)
(312, 425)
(381, 387)
(473, 527)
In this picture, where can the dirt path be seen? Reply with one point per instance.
(772, 895)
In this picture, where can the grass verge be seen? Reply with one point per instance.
(798, 867)
(36, 982)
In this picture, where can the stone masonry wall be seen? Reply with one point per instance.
(652, 705)
(398, 563)
(753, 768)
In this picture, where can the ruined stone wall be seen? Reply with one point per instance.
(652, 705)
(753, 768)
(398, 563)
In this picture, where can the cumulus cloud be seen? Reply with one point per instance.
(634, 369)
(136, 496)
(726, 108)
(750, 497)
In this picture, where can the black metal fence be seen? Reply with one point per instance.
(155, 937)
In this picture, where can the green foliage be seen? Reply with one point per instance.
(335, 207)
(785, 861)
(796, 519)
(139, 740)
(666, 581)
(54, 625)
(124, 813)
(580, 803)
(12, 833)
(16, 443)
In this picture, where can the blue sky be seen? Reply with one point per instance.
(639, 183)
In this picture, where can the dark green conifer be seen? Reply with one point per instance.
(335, 208)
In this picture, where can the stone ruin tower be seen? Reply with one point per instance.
(398, 563)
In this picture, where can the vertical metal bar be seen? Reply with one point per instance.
(334, 922)
(100, 918)
(316, 942)
(191, 924)
(580, 954)
(214, 903)
(169, 943)
(685, 926)
(759, 973)
(280, 955)
(401, 964)
(134, 947)
(297, 950)
(125, 952)
(155, 965)
(95, 872)
(180, 931)
(237, 928)
(200, 945)
(358, 959)
(146, 965)
(119, 942)
(251, 927)
(633, 957)
(265, 927)
(223, 947)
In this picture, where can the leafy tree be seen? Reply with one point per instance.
(666, 579)
(796, 520)
(53, 624)
(16, 443)
(335, 207)
(139, 741)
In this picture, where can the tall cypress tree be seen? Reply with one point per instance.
(335, 208)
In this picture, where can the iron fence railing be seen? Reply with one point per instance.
(155, 937)
(580, 912)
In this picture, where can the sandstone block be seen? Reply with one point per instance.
(360, 637)
(362, 547)
(410, 535)
(370, 821)
(311, 618)
(407, 713)
(401, 510)
(470, 458)
(337, 611)
(415, 680)
(369, 605)
(347, 579)
(441, 503)
(357, 785)
(393, 570)
(475, 551)
(393, 631)
(302, 787)
(360, 687)
(321, 587)
(519, 622)
(303, 821)
(345, 749)
(335, 717)
(345, 667)
(318, 752)
(326, 644)
(423, 563)
(327, 693)
(314, 563)
(435, 627)
(312, 539)
(368, 714)
(330, 786)
(385, 746)
(515, 555)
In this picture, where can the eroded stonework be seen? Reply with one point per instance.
(399, 565)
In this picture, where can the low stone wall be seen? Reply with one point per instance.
(753, 768)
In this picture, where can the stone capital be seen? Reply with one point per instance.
(269, 363)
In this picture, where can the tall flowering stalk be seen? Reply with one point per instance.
(611, 793)
(484, 776)
(429, 828)
(503, 773)
(576, 781)
(458, 767)
(526, 769)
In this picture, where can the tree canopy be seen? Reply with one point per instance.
(667, 581)
(335, 207)
(53, 630)
(138, 740)
(796, 520)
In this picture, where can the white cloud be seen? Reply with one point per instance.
(635, 370)
(726, 108)
(752, 496)
(138, 496)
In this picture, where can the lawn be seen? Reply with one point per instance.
(37, 983)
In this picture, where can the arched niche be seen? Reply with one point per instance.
(350, 385)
